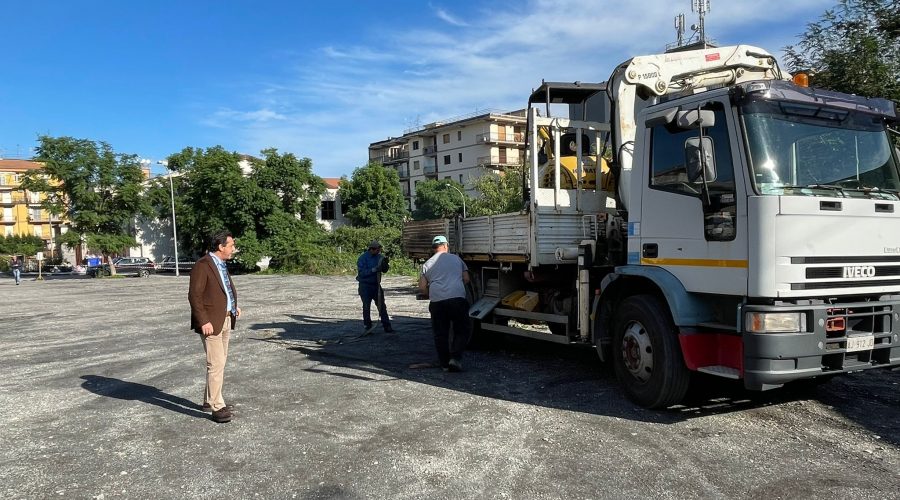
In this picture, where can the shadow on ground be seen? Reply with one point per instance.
(131, 391)
(539, 373)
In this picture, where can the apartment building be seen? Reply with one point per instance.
(462, 148)
(20, 210)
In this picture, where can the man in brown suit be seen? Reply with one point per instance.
(214, 311)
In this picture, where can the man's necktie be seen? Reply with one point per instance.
(227, 282)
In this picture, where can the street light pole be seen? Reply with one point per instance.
(461, 194)
(174, 231)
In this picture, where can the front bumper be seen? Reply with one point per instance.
(772, 359)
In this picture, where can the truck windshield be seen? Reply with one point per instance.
(807, 150)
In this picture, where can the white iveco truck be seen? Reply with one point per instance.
(745, 226)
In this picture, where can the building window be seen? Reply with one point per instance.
(446, 138)
(459, 135)
(415, 164)
(460, 157)
(460, 178)
(35, 214)
(447, 178)
(38, 231)
(9, 230)
(415, 145)
(327, 210)
(446, 159)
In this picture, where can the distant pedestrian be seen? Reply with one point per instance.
(443, 280)
(369, 268)
(214, 311)
(16, 265)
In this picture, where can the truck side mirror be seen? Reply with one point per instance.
(699, 151)
(695, 118)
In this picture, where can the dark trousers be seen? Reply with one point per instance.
(444, 315)
(376, 293)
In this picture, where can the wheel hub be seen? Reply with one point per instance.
(637, 351)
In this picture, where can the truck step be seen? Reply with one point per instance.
(721, 371)
(559, 339)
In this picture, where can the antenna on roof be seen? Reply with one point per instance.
(698, 39)
(679, 29)
(701, 7)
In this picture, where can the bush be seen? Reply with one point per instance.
(336, 253)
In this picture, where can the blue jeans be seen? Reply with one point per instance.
(17, 274)
(376, 293)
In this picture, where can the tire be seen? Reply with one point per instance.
(646, 355)
(143, 273)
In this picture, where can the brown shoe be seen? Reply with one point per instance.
(207, 408)
(221, 416)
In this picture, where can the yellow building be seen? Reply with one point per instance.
(20, 211)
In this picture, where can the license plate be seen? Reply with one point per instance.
(862, 343)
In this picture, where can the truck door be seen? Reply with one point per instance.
(692, 221)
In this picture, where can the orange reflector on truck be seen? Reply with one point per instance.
(801, 80)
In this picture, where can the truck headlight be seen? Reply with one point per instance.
(767, 322)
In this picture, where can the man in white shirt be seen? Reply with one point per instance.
(443, 280)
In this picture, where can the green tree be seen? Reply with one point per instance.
(292, 180)
(852, 48)
(373, 197)
(270, 211)
(27, 245)
(438, 199)
(96, 189)
(500, 193)
(212, 194)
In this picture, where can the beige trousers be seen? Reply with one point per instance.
(216, 348)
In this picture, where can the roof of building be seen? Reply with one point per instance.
(20, 165)
(331, 182)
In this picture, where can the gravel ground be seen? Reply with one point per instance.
(101, 381)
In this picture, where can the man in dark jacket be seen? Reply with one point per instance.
(369, 267)
(16, 266)
(214, 311)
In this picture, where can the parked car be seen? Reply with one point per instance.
(167, 265)
(126, 266)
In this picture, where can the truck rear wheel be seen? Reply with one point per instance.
(646, 355)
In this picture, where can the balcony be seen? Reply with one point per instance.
(430, 171)
(496, 162)
(12, 199)
(7, 220)
(403, 172)
(394, 157)
(495, 138)
(430, 150)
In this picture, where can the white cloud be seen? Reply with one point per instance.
(345, 97)
(224, 117)
(449, 18)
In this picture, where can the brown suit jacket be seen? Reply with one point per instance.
(207, 296)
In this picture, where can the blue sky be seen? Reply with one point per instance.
(320, 79)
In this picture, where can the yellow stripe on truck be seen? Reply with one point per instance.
(695, 262)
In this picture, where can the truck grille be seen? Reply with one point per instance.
(849, 272)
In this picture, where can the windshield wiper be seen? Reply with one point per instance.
(831, 187)
(872, 192)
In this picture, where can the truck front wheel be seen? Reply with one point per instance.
(646, 354)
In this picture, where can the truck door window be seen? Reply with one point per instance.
(669, 171)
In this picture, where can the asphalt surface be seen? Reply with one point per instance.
(101, 382)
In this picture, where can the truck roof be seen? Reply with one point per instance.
(565, 92)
